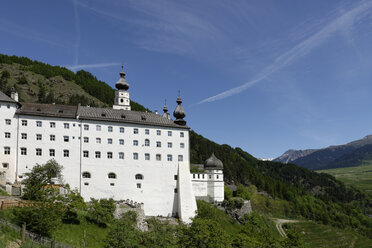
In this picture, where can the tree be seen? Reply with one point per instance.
(203, 233)
(123, 232)
(38, 178)
(160, 234)
(101, 211)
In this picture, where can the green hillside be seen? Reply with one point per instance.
(359, 177)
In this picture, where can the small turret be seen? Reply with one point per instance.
(179, 113)
(14, 94)
(122, 100)
(165, 110)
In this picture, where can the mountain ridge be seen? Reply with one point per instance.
(333, 156)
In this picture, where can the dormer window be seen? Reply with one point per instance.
(60, 111)
(123, 116)
(103, 115)
(143, 118)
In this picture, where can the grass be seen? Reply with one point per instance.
(360, 177)
(321, 236)
(73, 234)
(8, 235)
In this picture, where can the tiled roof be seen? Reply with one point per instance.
(50, 110)
(5, 98)
(125, 116)
(98, 114)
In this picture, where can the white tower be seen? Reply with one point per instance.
(122, 100)
(214, 170)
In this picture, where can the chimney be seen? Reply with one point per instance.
(156, 112)
(14, 94)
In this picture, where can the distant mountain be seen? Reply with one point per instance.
(292, 155)
(350, 154)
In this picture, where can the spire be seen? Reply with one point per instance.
(165, 109)
(122, 84)
(179, 112)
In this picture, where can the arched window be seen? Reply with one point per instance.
(112, 175)
(139, 177)
(86, 174)
(147, 142)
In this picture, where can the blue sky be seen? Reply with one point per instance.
(263, 75)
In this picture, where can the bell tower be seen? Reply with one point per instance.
(122, 99)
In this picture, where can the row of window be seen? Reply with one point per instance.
(111, 175)
(66, 153)
(66, 138)
(86, 127)
(210, 176)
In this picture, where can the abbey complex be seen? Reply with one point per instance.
(109, 153)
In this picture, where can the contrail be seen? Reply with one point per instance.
(100, 65)
(77, 31)
(346, 20)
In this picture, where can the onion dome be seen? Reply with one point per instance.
(179, 113)
(213, 163)
(122, 84)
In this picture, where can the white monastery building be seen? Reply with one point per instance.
(109, 153)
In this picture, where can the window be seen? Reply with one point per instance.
(109, 141)
(175, 177)
(147, 131)
(109, 155)
(121, 155)
(169, 157)
(86, 154)
(135, 156)
(170, 145)
(175, 190)
(158, 132)
(98, 140)
(217, 176)
(112, 184)
(86, 139)
(135, 130)
(122, 129)
(7, 135)
(66, 125)
(109, 128)
(8, 122)
(121, 142)
(182, 134)
(210, 176)
(86, 174)
(6, 150)
(52, 152)
(86, 184)
(182, 145)
(23, 151)
(139, 177)
(66, 153)
(111, 175)
(180, 158)
(66, 138)
(38, 152)
(24, 123)
(147, 156)
(23, 135)
(98, 154)
(39, 124)
(158, 157)
(38, 137)
(52, 124)
(138, 185)
(52, 137)
(147, 142)
(135, 142)
(169, 133)
(98, 128)
(86, 127)
(5, 165)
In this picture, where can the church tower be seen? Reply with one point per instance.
(122, 100)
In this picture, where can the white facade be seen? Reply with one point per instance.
(208, 185)
(107, 153)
